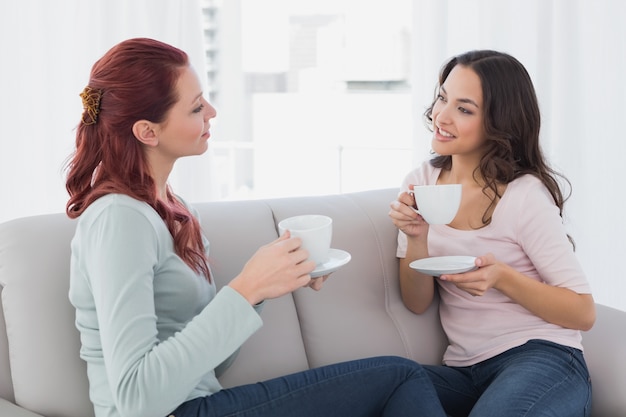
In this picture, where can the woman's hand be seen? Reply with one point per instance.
(276, 269)
(405, 218)
(317, 283)
(477, 282)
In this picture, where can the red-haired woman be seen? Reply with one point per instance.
(154, 330)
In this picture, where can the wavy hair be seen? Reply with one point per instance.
(136, 80)
(511, 122)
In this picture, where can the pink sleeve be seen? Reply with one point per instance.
(543, 237)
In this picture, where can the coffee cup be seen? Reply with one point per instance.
(437, 204)
(315, 231)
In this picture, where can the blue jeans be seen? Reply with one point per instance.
(381, 386)
(539, 378)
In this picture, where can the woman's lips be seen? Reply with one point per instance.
(443, 135)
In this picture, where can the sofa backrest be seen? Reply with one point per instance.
(358, 313)
(39, 365)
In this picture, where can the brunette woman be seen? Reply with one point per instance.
(513, 323)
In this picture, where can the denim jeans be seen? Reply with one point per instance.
(539, 378)
(381, 386)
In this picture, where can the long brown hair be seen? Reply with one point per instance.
(134, 80)
(511, 122)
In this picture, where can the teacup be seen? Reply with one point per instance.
(437, 204)
(315, 230)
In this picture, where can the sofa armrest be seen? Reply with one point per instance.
(605, 348)
(8, 409)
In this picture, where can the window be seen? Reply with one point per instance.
(312, 97)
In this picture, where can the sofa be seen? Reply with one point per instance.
(357, 314)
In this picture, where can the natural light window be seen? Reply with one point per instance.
(311, 99)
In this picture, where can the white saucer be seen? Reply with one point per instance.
(336, 259)
(439, 265)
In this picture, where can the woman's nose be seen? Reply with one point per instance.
(442, 116)
(210, 111)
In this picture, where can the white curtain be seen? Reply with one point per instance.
(48, 48)
(575, 51)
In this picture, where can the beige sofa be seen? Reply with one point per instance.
(358, 313)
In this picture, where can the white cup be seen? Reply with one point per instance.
(437, 204)
(315, 230)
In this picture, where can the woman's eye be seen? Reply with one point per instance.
(464, 110)
(198, 109)
(441, 98)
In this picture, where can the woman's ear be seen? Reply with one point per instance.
(145, 132)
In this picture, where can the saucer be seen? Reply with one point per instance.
(336, 259)
(440, 265)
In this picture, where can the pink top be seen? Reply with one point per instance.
(527, 233)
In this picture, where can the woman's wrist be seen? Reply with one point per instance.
(244, 290)
(416, 249)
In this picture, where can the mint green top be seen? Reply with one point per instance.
(152, 330)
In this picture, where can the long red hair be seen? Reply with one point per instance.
(137, 80)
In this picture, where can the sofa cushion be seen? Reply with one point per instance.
(359, 312)
(43, 343)
(235, 231)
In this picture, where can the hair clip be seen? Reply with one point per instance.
(91, 104)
